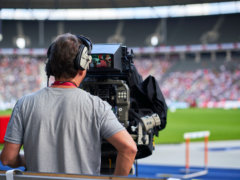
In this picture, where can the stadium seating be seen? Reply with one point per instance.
(186, 79)
(180, 31)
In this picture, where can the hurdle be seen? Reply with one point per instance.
(195, 135)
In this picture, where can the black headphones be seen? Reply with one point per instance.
(83, 57)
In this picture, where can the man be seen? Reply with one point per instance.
(61, 126)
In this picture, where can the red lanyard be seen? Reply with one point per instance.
(65, 83)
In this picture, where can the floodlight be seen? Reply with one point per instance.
(21, 42)
(154, 40)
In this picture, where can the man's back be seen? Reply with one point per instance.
(63, 129)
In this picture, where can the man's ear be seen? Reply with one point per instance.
(82, 72)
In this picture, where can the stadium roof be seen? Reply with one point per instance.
(63, 4)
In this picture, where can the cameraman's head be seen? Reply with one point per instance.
(63, 52)
(67, 56)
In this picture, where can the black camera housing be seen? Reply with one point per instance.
(113, 77)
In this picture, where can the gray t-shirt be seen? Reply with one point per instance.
(61, 130)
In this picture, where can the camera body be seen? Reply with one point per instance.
(110, 77)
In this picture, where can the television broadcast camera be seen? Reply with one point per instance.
(139, 105)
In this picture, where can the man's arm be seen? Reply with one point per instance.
(127, 151)
(10, 155)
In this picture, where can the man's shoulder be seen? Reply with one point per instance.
(36, 93)
(96, 100)
(31, 96)
(89, 95)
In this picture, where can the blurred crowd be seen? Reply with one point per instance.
(152, 66)
(193, 87)
(202, 86)
(21, 75)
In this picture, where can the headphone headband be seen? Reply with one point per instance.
(87, 42)
(83, 57)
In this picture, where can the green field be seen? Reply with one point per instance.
(222, 124)
(7, 112)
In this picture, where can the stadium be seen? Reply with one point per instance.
(192, 50)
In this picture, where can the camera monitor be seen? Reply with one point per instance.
(106, 58)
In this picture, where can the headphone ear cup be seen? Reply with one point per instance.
(82, 59)
(77, 60)
(86, 59)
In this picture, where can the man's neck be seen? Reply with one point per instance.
(65, 83)
(76, 80)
